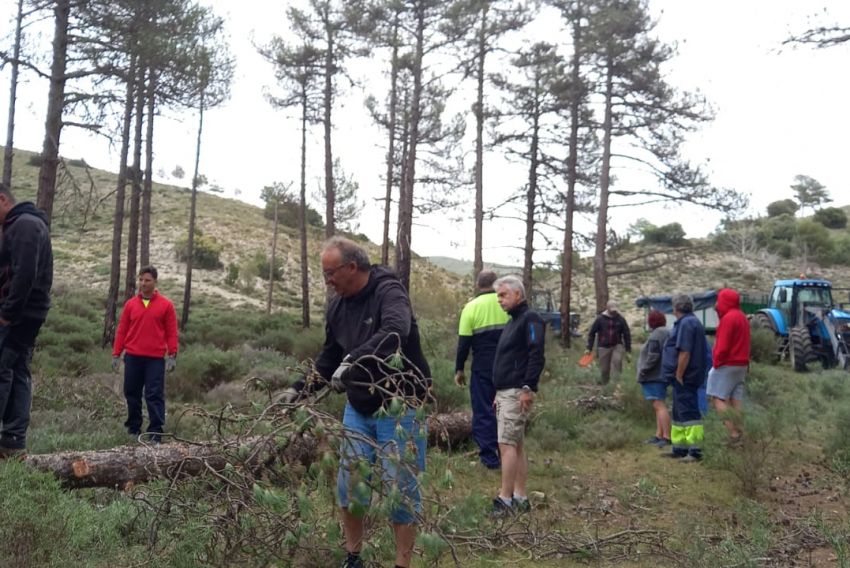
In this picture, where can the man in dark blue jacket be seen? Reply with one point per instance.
(516, 372)
(26, 276)
(684, 364)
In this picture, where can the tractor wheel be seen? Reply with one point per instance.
(801, 348)
(763, 321)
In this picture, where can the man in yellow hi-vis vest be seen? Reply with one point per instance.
(481, 324)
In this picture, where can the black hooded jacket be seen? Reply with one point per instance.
(369, 328)
(26, 264)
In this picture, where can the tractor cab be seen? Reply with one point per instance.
(790, 297)
(808, 325)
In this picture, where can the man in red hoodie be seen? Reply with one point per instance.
(147, 335)
(730, 358)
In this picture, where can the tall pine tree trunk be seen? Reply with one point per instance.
(118, 219)
(147, 191)
(273, 255)
(330, 192)
(531, 194)
(136, 195)
(572, 176)
(302, 219)
(190, 243)
(405, 225)
(388, 198)
(55, 105)
(600, 270)
(8, 151)
(478, 262)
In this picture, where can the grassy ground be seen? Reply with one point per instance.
(601, 496)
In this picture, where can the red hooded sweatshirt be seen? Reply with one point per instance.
(732, 344)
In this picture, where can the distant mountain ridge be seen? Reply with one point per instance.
(464, 267)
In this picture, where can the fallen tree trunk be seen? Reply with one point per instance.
(125, 466)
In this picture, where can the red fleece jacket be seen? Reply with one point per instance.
(147, 331)
(732, 344)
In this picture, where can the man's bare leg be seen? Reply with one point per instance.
(521, 471)
(721, 407)
(405, 538)
(509, 470)
(353, 527)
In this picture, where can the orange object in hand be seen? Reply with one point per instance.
(585, 360)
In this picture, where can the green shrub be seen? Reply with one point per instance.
(831, 217)
(837, 444)
(199, 369)
(607, 433)
(763, 345)
(232, 274)
(281, 340)
(755, 461)
(77, 162)
(782, 207)
(671, 234)
(43, 525)
(206, 251)
(448, 395)
(35, 160)
(263, 264)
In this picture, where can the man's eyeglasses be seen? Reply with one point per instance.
(328, 274)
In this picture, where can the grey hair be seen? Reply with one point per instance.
(486, 279)
(514, 283)
(682, 303)
(349, 252)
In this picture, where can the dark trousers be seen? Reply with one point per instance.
(16, 343)
(482, 393)
(687, 430)
(144, 375)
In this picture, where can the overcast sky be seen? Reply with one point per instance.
(779, 112)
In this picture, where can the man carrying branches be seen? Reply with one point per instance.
(372, 353)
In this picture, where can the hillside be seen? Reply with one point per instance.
(82, 250)
(439, 284)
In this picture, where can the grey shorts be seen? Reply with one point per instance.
(510, 419)
(726, 382)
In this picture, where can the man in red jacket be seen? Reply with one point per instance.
(730, 358)
(147, 335)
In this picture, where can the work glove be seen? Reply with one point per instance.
(170, 363)
(116, 364)
(460, 379)
(337, 384)
(289, 396)
(628, 356)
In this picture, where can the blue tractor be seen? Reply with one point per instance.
(809, 326)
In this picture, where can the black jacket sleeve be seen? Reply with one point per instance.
(534, 337)
(26, 235)
(627, 335)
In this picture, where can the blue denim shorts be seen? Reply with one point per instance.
(400, 442)
(654, 391)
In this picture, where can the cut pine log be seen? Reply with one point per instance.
(125, 466)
